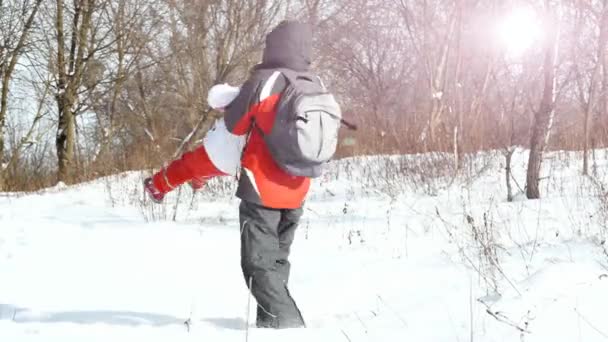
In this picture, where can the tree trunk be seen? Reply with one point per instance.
(508, 153)
(64, 141)
(438, 88)
(543, 119)
(459, 95)
(63, 154)
(604, 106)
(590, 105)
(3, 110)
(69, 79)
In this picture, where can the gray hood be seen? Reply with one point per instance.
(289, 46)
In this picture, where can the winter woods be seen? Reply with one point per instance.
(93, 87)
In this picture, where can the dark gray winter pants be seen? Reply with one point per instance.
(266, 237)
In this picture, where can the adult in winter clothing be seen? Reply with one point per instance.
(271, 199)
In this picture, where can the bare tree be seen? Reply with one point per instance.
(16, 22)
(69, 71)
(25, 167)
(434, 47)
(134, 24)
(604, 98)
(83, 39)
(588, 94)
(215, 41)
(129, 77)
(543, 118)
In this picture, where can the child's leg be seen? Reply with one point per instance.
(192, 165)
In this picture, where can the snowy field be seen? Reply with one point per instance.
(385, 252)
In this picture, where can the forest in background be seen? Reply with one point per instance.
(96, 87)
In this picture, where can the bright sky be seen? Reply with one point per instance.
(518, 30)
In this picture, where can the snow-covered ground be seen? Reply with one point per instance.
(385, 252)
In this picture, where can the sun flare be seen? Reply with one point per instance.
(519, 30)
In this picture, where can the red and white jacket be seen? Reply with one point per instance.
(262, 181)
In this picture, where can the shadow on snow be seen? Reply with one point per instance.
(125, 318)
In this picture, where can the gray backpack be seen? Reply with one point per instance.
(304, 135)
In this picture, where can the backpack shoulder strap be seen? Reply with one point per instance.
(321, 83)
(292, 76)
